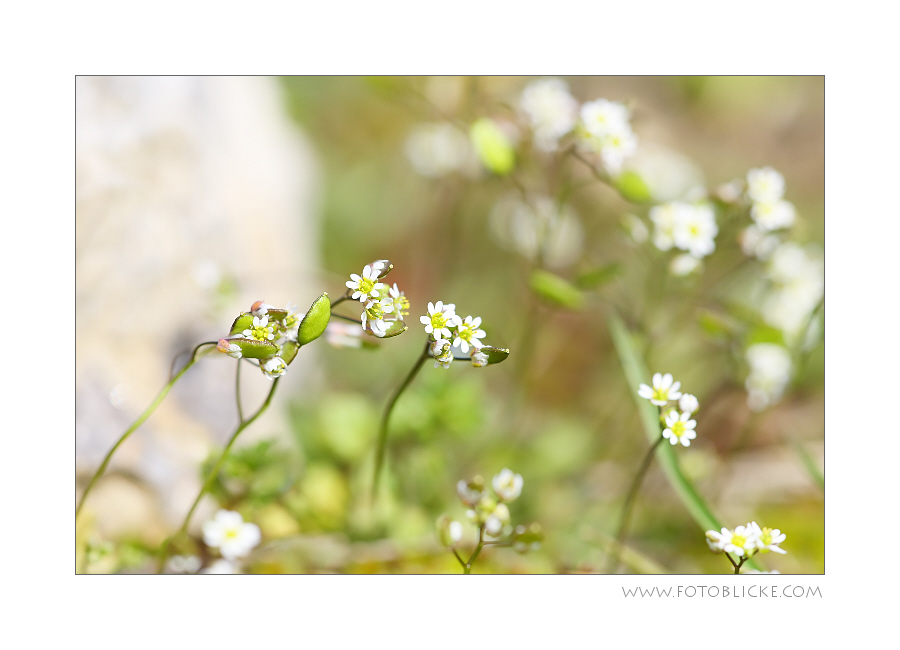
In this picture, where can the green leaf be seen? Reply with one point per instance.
(632, 187)
(241, 323)
(492, 146)
(253, 349)
(601, 275)
(494, 355)
(315, 321)
(554, 289)
(635, 374)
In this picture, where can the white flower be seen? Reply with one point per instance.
(507, 485)
(379, 265)
(770, 371)
(756, 243)
(798, 286)
(440, 319)
(768, 539)
(679, 428)
(550, 110)
(221, 567)
(688, 403)
(493, 524)
(663, 389)
(365, 286)
(260, 330)
(438, 149)
(228, 532)
(274, 367)
(374, 315)
(607, 131)
(764, 185)
(479, 359)
(684, 264)
(714, 541)
(772, 215)
(183, 564)
(615, 148)
(467, 333)
(442, 353)
(401, 302)
(229, 348)
(444, 361)
(343, 335)
(695, 229)
(469, 494)
(741, 542)
(260, 308)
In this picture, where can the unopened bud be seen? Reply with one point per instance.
(229, 348)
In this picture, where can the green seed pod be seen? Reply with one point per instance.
(241, 323)
(253, 349)
(494, 355)
(315, 321)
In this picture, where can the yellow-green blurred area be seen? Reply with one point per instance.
(560, 410)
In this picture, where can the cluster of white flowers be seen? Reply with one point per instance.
(769, 211)
(383, 304)
(605, 127)
(797, 284)
(550, 111)
(770, 372)
(679, 427)
(232, 536)
(449, 333)
(746, 541)
(485, 509)
(439, 149)
(690, 227)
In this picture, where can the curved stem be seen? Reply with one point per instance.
(385, 417)
(237, 393)
(468, 567)
(214, 472)
(462, 562)
(141, 419)
(628, 507)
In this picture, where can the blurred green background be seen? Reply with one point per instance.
(560, 411)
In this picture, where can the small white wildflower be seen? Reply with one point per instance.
(764, 185)
(496, 520)
(741, 542)
(695, 230)
(401, 302)
(469, 493)
(221, 567)
(756, 243)
(260, 330)
(229, 348)
(273, 368)
(607, 131)
(440, 319)
(688, 403)
(365, 286)
(662, 391)
(679, 428)
(374, 315)
(507, 485)
(768, 539)
(550, 110)
(714, 541)
(467, 333)
(770, 371)
(228, 532)
(449, 530)
(479, 359)
(684, 264)
(666, 219)
(773, 215)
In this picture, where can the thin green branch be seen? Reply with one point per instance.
(141, 419)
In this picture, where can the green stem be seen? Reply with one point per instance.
(628, 507)
(237, 393)
(468, 567)
(141, 419)
(385, 417)
(214, 472)
(462, 562)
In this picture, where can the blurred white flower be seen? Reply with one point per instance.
(684, 264)
(550, 109)
(799, 284)
(773, 215)
(768, 539)
(770, 371)
(667, 174)
(679, 428)
(507, 484)
(365, 286)
(538, 225)
(469, 493)
(714, 541)
(666, 218)
(438, 149)
(688, 403)
(221, 567)
(343, 335)
(449, 530)
(764, 185)
(607, 131)
(494, 523)
(756, 243)
(183, 564)
(467, 333)
(695, 229)
(227, 532)
(635, 228)
(662, 391)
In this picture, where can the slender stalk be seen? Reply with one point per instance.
(733, 563)
(214, 472)
(340, 300)
(385, 417)
(141, 419)
(237, 392)
(628, 507)
(462, 562)
(468, 567)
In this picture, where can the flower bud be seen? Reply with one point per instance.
(274, 367)
(449, 531)
(229, 348)
(470, 492)
(479, 359)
